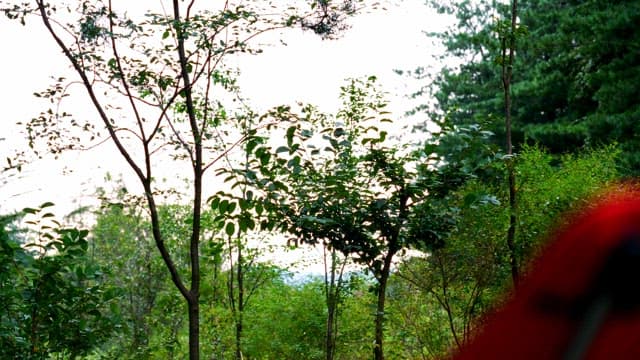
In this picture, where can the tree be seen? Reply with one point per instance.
(245, 209)
(508, 33)
(238, 214)
(573, 86)
(340, 183)
(12, 259)
(333, 294)
(164, 70)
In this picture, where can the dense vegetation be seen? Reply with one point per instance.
(575, 73)
(414, 236)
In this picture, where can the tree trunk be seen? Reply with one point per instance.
(239, 337)
(378, 350)
(331, 295)
(239, 315)
(330, 337)
(194, 328)
(507, 72)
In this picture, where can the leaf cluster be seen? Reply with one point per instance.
(53, 297)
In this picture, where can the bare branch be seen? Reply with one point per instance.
(79, 68)
(116, 55)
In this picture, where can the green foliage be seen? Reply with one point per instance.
(152, 326)
(55, 301)
(574, 73)
(149, 308)
(551, 187)
(340, 182)
(418, 325)
(271, 334)
(288, 321)
(438, 298)
(121, 238)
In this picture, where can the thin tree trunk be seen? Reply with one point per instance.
(194, 256)
(332, 292)
(191, 295)
(378, 350)
(507, 72)
(239, 315)
(330, 337)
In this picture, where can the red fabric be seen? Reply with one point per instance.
(536, 323)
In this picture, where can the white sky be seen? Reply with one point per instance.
(308, 70)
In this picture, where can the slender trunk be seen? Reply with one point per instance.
(378, 350)
(239, 337)
(507, 71)
(331, 299)
(511, 233)
(194, 328)
(330, 337)
(194, 292)
(240, 280)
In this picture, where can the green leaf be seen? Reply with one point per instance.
(243, 224)
(214, 203)
(264, 158)
(244, 204)
(223, 206)
(230, 229)
(290, 132)
(232, 207)
(251, 145)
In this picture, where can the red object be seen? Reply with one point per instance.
(555, 304)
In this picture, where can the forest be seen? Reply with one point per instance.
(533, 115)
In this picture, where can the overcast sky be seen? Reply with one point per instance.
(308, 69)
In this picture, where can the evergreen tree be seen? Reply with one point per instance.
(575, 84)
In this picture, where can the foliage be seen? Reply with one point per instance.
(452, 287)
(122, 238)
(271, 333)
(574, 79)
(551, 187)
(55, 302)
(152, 326)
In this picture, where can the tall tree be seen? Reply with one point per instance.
(339, 182)
(508, 34)
(573, 88)
(154, 82)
